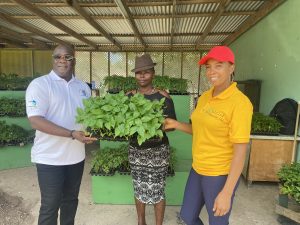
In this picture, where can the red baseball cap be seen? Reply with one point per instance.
(220, 53)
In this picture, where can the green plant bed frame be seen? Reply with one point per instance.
(12, 94)
(118, 189)
(20, 121)
(15, 157)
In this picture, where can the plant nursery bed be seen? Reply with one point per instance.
(15, 157)
(295, 216)
(118, 189)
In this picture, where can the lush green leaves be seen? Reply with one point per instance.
(264, 124)
(118, 115)
(289, 177)
(14, 107)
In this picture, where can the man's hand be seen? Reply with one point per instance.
(80, 136)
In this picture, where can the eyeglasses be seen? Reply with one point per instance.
(65, 57)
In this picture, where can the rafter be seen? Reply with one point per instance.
(173, 23)
(127, 15)
(30, 28)
(26, 4)
(222, 6)
(13, 42)
(264, 10)
(25, 38)
(160, 16)
(92, 22)
(152, 35)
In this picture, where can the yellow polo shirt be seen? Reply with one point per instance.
(219, 122)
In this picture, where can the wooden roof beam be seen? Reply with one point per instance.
(127, 15)
(31, 29)
(222, 6)
(10, 41)
(161, 16)
(92, 22)
(173, 23)
(26, 4)
(152, 35)
(264, 10)
(22, 37)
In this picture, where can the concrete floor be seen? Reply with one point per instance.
(252, 206)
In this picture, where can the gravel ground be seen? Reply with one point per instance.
(12, 210)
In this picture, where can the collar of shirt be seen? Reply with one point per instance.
(226, 93)
(54, 76)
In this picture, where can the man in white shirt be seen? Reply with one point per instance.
(59, 145)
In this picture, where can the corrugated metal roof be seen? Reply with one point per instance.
(244, 6)
(149, 24)
(59, 11)
(154, 26)
(192, 24)
(115, 26)
(44, 26)
(79, 25)
(229, 23)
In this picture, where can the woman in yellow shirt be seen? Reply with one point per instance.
(220, 127)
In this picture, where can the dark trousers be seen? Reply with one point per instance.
(59, 186)
(199, 191)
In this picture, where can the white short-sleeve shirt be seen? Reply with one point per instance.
(56, 100)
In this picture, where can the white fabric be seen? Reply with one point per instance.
(56, 100)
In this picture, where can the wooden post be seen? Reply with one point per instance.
(296, 134)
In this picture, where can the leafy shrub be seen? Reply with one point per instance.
(14, 134)
(13, 81)
(264, 124)
(289, 177)
(12, 107)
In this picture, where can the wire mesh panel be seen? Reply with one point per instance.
(42, 63)
(190, 70)
(131, 62)
(172, 64)
(204, 84)
(82, 67)
(118, 63)
(99, 67)
(17, 62)
(157, 57)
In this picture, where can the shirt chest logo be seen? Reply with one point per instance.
(83, 93)
(214, 113)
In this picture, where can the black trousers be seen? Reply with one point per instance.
(59, 186)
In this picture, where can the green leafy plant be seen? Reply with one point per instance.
(130, 84)
(114, 83)
(12, 107)
(161, 82)
(178, 86)
(289, 178)
(262, 124)
(14, 134)
(13, 81)
(117, 115)
(172, 161)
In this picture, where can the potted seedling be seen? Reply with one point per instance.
(289, 189)
(162, 82)
(178, 86)
(264, 125)
(114, 83)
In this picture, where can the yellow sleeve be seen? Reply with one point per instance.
(240, 125)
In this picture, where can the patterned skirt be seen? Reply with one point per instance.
(149, 167)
